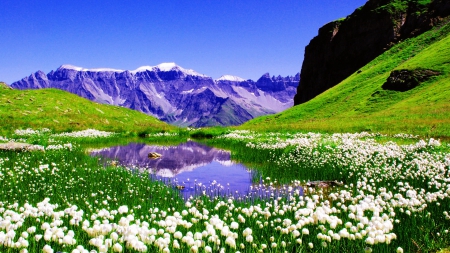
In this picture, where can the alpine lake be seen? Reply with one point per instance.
(191, 167)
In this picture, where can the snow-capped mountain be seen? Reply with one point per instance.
(173, 94)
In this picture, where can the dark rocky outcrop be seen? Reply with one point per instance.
(344, 46)
(404, 79)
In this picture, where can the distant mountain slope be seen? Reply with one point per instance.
(173, 94)
(63, 111)
(360, 103)
(345, 45)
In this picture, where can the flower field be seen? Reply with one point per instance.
(390, 198)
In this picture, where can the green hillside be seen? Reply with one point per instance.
(359, 103)
(62, 111)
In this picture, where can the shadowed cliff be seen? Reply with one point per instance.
(342, 47)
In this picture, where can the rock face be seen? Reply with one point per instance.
(173, 94)
(344, 46)
(404, 79)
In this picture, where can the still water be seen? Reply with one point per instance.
(188, 165)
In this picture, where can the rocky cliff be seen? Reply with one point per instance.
(345, 45)
(173, 94)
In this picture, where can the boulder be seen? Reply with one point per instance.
(154, 155)
(404, 79)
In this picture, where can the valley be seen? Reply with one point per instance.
(352, 154)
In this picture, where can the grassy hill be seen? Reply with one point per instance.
(359, 103)
(62, 111)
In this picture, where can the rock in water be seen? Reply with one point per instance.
(154, 155)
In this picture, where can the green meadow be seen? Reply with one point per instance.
(360, 104)
(63, 112)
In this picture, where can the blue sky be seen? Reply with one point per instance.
(245, 38)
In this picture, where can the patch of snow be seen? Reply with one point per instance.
(158, 98)
(164, 67)
(168, 66)
(201, 89)
(226, 163)
(142, 69)
(264, 100)
(230, 78)
(187, 91)
(68, 66)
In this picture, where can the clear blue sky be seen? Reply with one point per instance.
(245, 38)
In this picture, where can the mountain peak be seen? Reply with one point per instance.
(68, 66)
(230, 78)
(168, 66)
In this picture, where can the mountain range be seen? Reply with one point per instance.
(173, 94)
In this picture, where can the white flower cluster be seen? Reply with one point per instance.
(405, 136)
(165, 134)
(116, 230)
(422, 177)
(88, 133)
(59, 146)
(29, 131)
(240, 135)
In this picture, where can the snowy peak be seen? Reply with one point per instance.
(71, 67)
(162, 67)
(230, 78)
(166, 67)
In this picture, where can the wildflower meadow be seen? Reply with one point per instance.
(391, 195)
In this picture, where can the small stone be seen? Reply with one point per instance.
(154, 155)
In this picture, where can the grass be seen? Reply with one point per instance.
(394, 198)
(360, 104)
(286, 157)
(62, 111)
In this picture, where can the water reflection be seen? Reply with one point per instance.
(189, 164)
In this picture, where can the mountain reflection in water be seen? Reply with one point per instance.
(188, 163)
